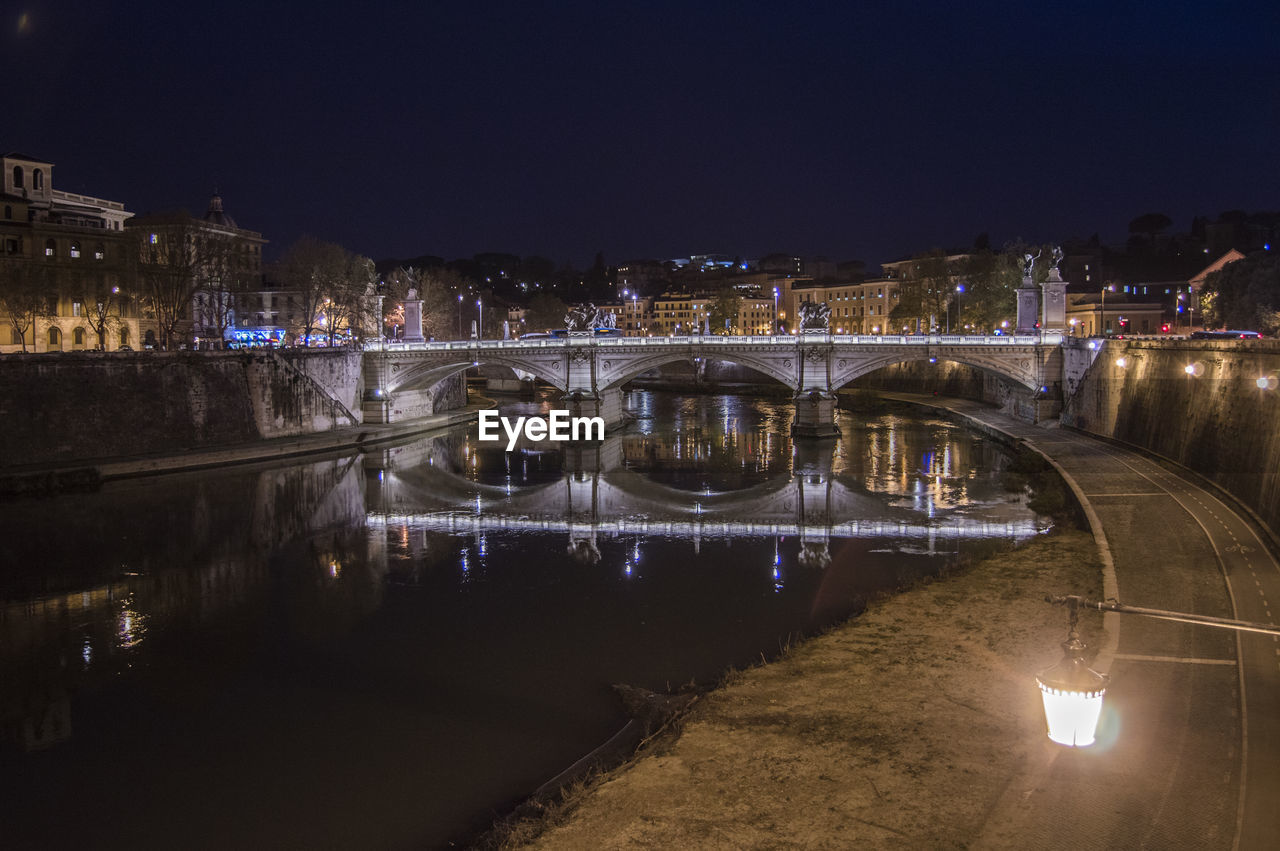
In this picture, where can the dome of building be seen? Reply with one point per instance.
(215, 214)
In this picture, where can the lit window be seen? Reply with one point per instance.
(153, 239)
(75, 308)
(75, 249)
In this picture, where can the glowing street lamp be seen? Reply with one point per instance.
(459, 316)
(480, 319)
(774, 329)
(1072, 691)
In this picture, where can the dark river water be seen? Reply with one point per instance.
(387, 649)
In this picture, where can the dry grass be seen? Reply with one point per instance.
(900, 728)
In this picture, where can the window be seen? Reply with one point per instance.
(75, 308)
(99, 252)
(55, 338)
(77, 337)
(153, 239)
(15, 339)
(51, 305)
(37, 179)
(8, 211)
(50, 248)
(124, 336)
(17, 177)
(75, 249)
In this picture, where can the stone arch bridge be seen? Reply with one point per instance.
(590, 371)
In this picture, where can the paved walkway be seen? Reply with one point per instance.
(1190, 743)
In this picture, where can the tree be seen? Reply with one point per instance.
(924, 293)
(724, 312)
(1145, 228)
(1244, 295)
(315, 272)
(24, 295)
(990, 283)
(348, 307)
(100, 295)
(439, 288)
(177, 259)
(545, 312)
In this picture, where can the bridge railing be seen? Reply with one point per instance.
(1046, 339)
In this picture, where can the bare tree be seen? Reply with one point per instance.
(219, 286)
(176, 260)
(100, 294)
(314, 272)
(348, 305)
(24, 295)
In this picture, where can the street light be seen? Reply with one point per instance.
(959, 310)
(774, 329)
(480, 319)
(1073, 692)
(459, 316)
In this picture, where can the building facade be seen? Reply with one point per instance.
(66, 269)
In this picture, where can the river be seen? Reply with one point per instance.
(390, 648)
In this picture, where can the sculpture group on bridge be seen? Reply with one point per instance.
(589, 317)
(815, 316)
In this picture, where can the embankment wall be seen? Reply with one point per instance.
(57, 408)
(1199, 403)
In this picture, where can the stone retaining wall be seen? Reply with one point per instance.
(58, 408)
(1214, 418)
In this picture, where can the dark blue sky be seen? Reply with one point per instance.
(655, 129)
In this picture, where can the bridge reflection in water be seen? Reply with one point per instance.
(605, 490)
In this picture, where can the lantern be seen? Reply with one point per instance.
(1072, 693)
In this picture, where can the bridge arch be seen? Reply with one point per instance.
(1021, 370)
(420, 376)
(611, 374)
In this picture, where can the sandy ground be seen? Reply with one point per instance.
(902, 728)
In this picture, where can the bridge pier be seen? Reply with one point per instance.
(606, 404)
(815, 414)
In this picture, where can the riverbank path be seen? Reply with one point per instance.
(1189, 744)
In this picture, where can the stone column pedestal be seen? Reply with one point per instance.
(413, 321)
(1028, 307)
(1054, 307)
(815, 415)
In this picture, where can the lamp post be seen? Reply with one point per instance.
(459, 316)
(774, 329)
(480, 319)
(1072, 692)
(959, 309)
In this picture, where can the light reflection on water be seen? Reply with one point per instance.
(380, 649)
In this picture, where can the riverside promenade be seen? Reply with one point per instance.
(918, 724)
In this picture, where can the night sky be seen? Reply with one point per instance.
(851, 130)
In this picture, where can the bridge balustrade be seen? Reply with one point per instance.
(1047, 339)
